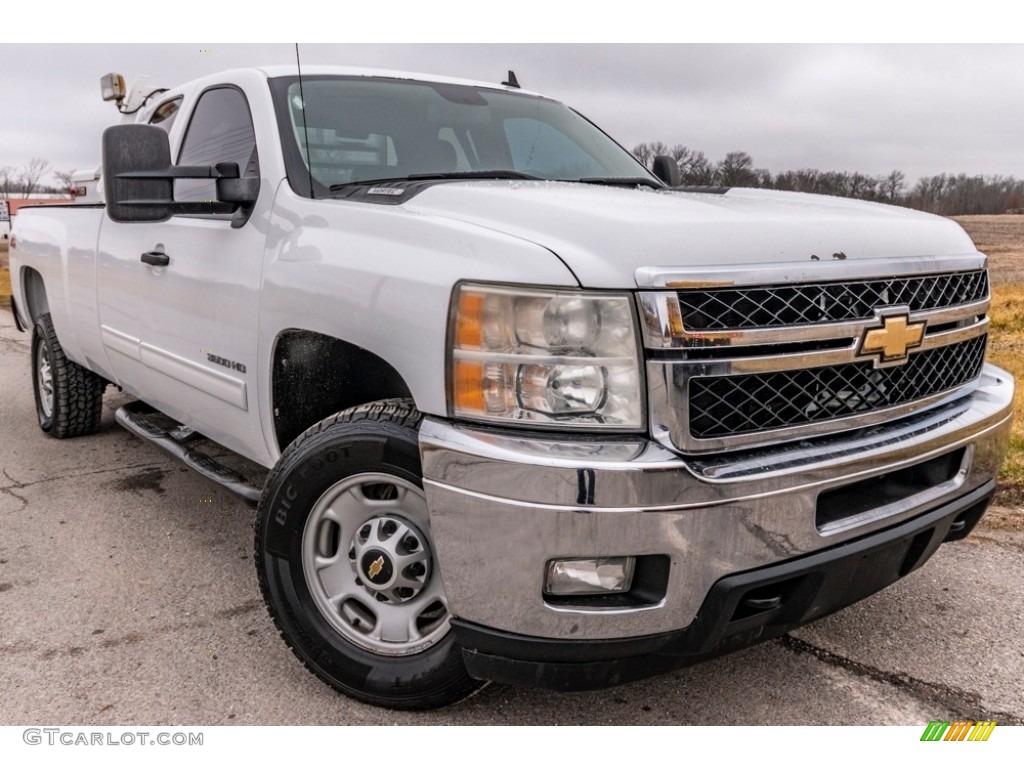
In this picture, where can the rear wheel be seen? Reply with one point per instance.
(347, 566)
(69, 398)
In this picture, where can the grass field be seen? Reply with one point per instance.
(1002, 238)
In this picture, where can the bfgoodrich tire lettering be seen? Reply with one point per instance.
(344, 559)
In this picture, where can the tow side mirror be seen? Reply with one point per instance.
(138, 179)
(130, 149)
(665, 168)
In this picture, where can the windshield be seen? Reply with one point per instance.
(345, 130)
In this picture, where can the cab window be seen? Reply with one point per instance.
(220, 131)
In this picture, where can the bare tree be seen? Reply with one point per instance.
(8, 181)
(31, 175)
(807, 180)
(65, 180)
(698, 171)
(681, 155)
(658, 148)
(642, 152)
(944, 194)
(646, 151)
(892, 185)
(833, 183)
(736, 170)
(861, 186)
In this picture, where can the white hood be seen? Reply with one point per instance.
(604, 234)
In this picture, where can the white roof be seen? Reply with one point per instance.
(320, 69)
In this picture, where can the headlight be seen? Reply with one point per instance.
(545, 357)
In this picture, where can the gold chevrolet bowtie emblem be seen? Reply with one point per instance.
(894, 339)
(375, 567)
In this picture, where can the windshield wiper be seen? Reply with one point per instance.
(620, 181)
(496, 174)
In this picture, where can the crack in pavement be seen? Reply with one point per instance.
(19, 346)
(247, 607)
(18, 485)
(109, 643)
(10, 492)
(99, 643)
(962, 704)
(22, 339)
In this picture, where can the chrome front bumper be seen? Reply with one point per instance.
(502, 506)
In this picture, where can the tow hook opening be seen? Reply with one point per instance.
(966, 520)
(765, 599)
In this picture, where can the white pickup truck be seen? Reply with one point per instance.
(533, 413)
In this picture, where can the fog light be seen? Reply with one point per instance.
(592, 576)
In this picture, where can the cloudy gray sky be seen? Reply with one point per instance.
(923, 109)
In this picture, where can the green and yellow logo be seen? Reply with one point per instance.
(958, 730)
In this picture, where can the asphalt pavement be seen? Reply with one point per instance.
(128, 596)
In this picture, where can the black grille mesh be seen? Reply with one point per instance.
(725, 406)
(800, 304)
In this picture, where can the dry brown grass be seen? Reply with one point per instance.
(1006, 349)
(1002, 238)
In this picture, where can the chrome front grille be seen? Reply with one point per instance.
(749, 356)
(787, 305)
(721, 406)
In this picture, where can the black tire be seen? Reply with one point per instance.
(368, 453)
(69, 398)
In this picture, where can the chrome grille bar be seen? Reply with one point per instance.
(717, 309)
(732, 405)
(714, 389)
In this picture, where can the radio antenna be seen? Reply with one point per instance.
(305, 126)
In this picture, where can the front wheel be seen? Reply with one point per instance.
(347, 566)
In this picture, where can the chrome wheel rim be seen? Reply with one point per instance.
(44, 378)
(369, 565)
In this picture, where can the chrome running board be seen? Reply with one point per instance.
(173, 442)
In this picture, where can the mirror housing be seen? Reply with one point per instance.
(138, 179)
(665, 168)
(234, 190)
(133, 148)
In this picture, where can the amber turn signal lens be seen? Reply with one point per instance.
(469, 386)
(467, 328)
(675, 320)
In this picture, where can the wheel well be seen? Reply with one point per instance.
(315, 376)
(36, 302)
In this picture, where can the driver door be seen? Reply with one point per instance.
(182, 335)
